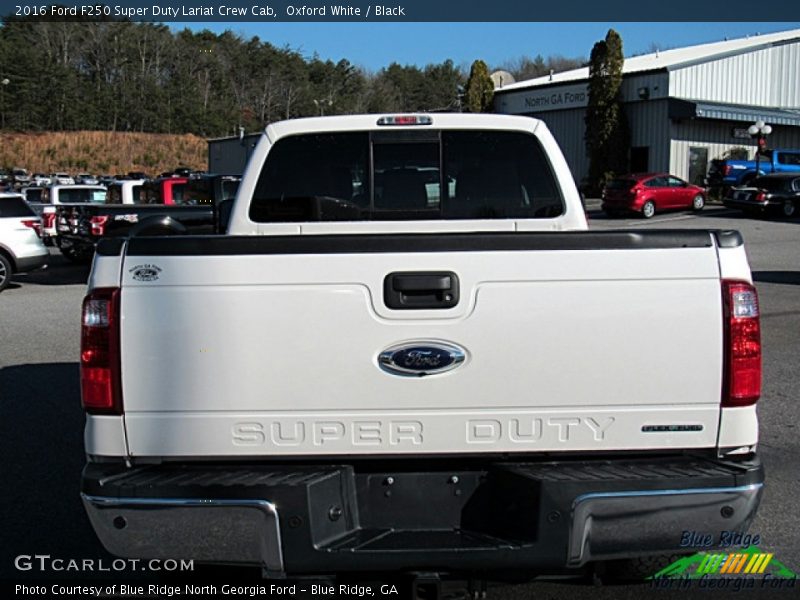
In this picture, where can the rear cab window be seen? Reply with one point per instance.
(36, 195)
(178, 193)
(114, 194)
(201, 191)
(15, 206)
(150, 193)
(402, 175)
(82, 195)
(789, 158)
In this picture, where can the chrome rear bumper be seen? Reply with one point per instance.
(226, 531)
(538, 517)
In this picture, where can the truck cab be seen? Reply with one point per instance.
(125, 191)
(164, 190)
(52, 196)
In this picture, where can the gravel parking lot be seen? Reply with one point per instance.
(42, 423)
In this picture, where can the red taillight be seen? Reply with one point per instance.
(742, 384)
(760, 197)
(34, 224)
(49, 220)
(726, 170)
(98, 224)
(101, 390)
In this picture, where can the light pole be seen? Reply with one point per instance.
(759, 130)
(321, 104)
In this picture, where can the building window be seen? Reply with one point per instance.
(698, 165)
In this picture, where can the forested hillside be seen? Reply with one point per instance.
(121, 76)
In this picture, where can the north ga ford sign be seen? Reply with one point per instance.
(560, 98)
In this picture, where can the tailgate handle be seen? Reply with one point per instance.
(420, 290)
(421, 283)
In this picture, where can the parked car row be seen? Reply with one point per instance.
(645, 194)
(75, 217)
(163, 206)
(18, 178)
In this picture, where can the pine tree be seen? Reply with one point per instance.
(479, 91)
(607, 133)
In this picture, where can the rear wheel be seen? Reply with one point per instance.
(5, 272)
(698, 202)
(649, 209)
(789, 209)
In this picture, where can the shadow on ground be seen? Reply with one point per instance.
(41, 449)
(784, 277)
(41, 444)
(58, 272)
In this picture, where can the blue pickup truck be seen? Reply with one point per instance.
(729, 173)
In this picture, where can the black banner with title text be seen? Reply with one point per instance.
(398, 10)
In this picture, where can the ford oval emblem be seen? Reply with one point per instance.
(417, 359)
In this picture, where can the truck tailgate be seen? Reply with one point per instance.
(265, 346)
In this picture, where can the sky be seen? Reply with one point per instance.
(376, 45)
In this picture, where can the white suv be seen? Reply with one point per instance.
(21, 249)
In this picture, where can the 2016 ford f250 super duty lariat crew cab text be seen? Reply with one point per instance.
(409, 354)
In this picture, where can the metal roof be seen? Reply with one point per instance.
(683, 109)
(669, 59)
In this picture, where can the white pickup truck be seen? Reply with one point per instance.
(59, 194)
(409, 354)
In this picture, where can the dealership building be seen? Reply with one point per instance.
(685, 106)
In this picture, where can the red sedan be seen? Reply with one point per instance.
(647, 193)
